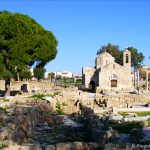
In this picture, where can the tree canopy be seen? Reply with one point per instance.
(114, 50)
(23, 42)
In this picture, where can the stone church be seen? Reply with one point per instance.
(109, 75)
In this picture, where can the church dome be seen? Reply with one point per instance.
(104, 59)
(105, 54)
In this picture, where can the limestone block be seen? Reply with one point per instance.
(50, 147)
(113, 117)
(112, 134)
(20, 110)
(3, 117)
(93, 146)
(80, 145)
(64, 146)
(130, 115)
(24, 148)
(4, 133)
(141, 118)
(36, 147)
(11, 125)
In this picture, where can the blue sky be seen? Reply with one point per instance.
(83, 26)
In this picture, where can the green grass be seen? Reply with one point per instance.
(2, 110)
(148, 122)
(124, 114)
(38, 96)
(143, 113)
(3, 146)
(4, 100)
(41, 96)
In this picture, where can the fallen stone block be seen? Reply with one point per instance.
(113, 117)
(4, 133)
(93, 146)
(36, 147)
(141, 118)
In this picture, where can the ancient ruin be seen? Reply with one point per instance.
(109, 75)
(50, 117)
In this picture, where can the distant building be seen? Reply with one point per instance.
(77, 77)
(66, 74)
(31, 70)
(142, 75)
(109, 75)
(46, 75)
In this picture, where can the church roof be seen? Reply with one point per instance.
(105, 54)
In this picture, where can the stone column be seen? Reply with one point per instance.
(138, 82)
(135, 85)
(146, 81)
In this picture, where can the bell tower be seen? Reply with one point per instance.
(127, 58)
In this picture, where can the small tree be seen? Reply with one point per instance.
(25, 74)
(39, 72)
(137, 58)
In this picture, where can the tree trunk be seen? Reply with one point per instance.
(7, 87)
(18, 79)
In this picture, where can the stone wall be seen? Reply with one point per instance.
(124, 100)
(88, 73)
(30, 85)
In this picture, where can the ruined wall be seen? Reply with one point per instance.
(30, 85)
(124, 100)
(87, 74)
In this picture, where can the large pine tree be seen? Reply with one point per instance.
(23, 42)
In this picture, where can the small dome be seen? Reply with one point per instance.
(126, 50)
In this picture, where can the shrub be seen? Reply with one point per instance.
(3, 146)
(59, 109)
(2, 110)
(143, 113)
(38, 96)
(125, 127)
(4, 100)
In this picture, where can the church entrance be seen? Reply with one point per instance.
(113, 83)
(92, 86)
(113, 80)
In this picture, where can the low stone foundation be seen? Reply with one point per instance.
(122, 100)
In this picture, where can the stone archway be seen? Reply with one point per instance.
(92, 85)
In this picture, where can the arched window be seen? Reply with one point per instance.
(113, 77)
(127, 58)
